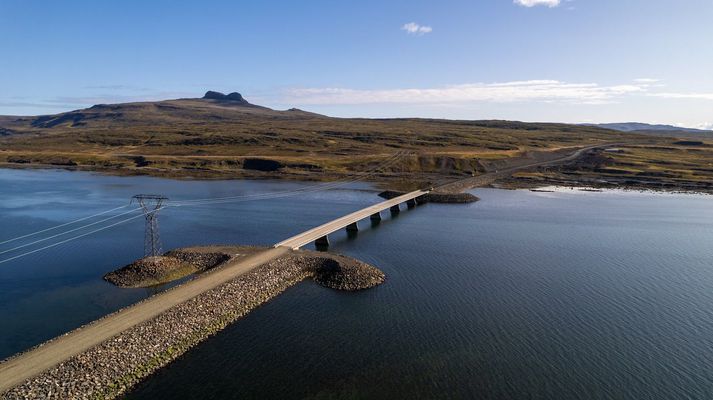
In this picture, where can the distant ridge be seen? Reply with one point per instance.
(638, 126)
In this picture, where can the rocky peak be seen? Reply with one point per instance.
(233, 97)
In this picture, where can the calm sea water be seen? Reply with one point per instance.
(524, 295)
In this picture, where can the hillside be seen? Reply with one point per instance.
(226, 136)
(657, 130)
(638, 126)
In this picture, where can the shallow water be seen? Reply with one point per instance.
(523, 295)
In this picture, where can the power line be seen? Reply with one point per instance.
(64, 224)
(70, 239)
(389, 161)
(310, 189)
(66, 232)
(259, 196)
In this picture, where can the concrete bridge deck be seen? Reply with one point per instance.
(17, 369)
(319, 234)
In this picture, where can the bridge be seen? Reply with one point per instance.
(19, 368)
(319, 235)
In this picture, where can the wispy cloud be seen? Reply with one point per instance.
(413, 28)
(517, 91)
(66, 103)
(646, 80)
(533, 3)
(118, 87)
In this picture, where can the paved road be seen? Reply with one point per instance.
(313, 234)
(16, 370)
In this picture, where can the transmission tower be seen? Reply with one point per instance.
(151, 204)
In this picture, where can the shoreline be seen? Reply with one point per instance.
(593, 189)
(382, 183)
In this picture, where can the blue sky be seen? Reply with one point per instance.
(533, 60)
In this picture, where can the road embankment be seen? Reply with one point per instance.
(112, 367)
(435, 197)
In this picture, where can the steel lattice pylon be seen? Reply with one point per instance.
(151, 204)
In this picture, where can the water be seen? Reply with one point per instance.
(522, 295)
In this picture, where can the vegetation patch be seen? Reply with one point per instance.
(176, 264)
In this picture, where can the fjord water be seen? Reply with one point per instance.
(522, 295)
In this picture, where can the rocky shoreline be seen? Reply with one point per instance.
(528, 182)
(110, 369)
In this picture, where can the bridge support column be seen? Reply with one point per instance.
(395, 209)
(353, 227)
(376, 216)
(322, 242)
(411, 203)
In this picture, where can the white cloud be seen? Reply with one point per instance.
(647, 80)
(703, 125)
(533, 3)
(413, 28)
(501, 92)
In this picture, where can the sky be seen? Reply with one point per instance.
(530, 60)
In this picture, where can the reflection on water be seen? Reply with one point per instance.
(566, 295)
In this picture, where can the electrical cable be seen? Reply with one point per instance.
(63, 225)
(66, 232)
(73, 238)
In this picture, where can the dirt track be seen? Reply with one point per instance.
(538, 160)
(16, 370)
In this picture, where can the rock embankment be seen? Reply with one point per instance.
(343, 273)
(175, 264)
(110, 369)
(435, 197)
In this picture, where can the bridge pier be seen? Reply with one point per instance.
(376, 216)
(322, 242)
(395, 209)
(353, 227)
(411, 203)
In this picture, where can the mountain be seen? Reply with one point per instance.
(234, 97)
(214, 106)
(638, 126)
(222, 135)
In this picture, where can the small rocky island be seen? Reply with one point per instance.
(176, 264)
(329, 270)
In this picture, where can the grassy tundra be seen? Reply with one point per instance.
(218, 138)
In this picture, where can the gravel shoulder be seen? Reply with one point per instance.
(106, 358)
